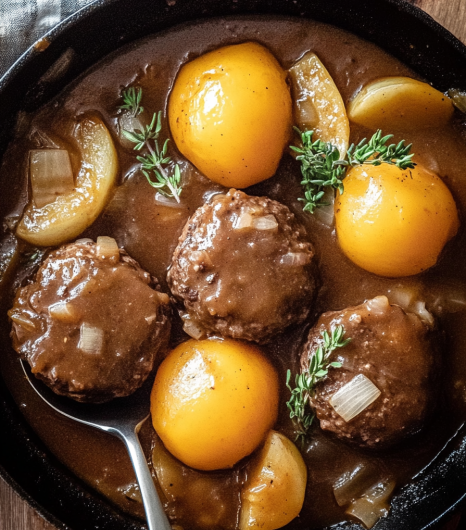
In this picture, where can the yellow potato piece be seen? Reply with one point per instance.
(230, 114)
(70, 214)
(214, 401)
(392, 222)
(318, 104)
(274, 493)
(400, 103)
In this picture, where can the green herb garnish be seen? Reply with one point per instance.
(132, 99)
(155, 160)
(305, 382)
(322, 167)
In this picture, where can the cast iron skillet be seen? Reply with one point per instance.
(403, 30)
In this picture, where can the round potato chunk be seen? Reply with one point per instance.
(400, 103)
(393, 222)
(230, 114)
(274, 493)
(214, 401)
(243, 268)
(91, 323)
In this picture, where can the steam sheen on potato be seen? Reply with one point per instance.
(392, 222)
(214, 401)
(230, 114)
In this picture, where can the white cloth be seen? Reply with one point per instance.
(22, 22)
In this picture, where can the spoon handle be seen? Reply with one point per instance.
(156, 518)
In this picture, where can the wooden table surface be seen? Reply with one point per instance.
(15, 514)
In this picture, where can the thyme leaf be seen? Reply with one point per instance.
(132, 100)
(305, 382)
(156, 159)
(323, 168)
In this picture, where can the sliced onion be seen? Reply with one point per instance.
(243, 221)
(267, 222)
(419, 308)
(404, 297)
(51, 175)
(295, 259)
(373, 504)
(91, 339)
(21, 320)
(107, 248)
(354, 397)
(63, 311)
(84, 241)
(459, 99)
(130, 123)
(378, 305)
(192, 329)
(352, 484)
(326, 214)
(168, 201)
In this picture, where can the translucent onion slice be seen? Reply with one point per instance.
(21, 320)
(51, 174)
(373, 504)
(295, 259)
(352, 484)
(419, 308)
(318, 104)
(91, 339)
(192, 329)
(243, 221)
(107, 248)
(354, 397)
(378, 305)
(130, 123)
(267, 222)
(459, 99)
(326, 214)
(64, 312)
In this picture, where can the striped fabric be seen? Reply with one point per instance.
(22, 22)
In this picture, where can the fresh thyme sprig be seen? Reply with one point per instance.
(155, 160)
(322, 167)
(305, 382)
(132, 99)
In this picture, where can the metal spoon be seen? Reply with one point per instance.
(123, 418)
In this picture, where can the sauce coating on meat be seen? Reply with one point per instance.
(243, 268)
(395, 351)
(90, 326)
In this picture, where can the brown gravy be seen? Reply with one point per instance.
(149, 233)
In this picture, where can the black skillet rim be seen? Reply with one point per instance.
(434, 494)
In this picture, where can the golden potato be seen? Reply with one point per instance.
(318, 104)
(393, 222)
(400, 103)
(71, 213)
(274, 493)
(213, 402)
(230, 114)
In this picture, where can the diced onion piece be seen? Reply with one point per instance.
(91, 339)
(459, 99)
(267, 222)
(192, 329)
(295, 259)
(51, 175)
(63, 311)
(354, 397)
(130, 123)
(378, 305)
(243, 221)
(326, 214)
(401, 296)
(107, 248)
(21, 320)
(168, 201)
(84, 241)
(373, 504)
(352, 484)
(367, 512)
(419, 308)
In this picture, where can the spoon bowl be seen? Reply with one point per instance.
(122, 417)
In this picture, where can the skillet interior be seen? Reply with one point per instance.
(101, 27)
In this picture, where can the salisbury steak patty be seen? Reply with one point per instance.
(90, 325)
(242, 269)
(395, 351)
